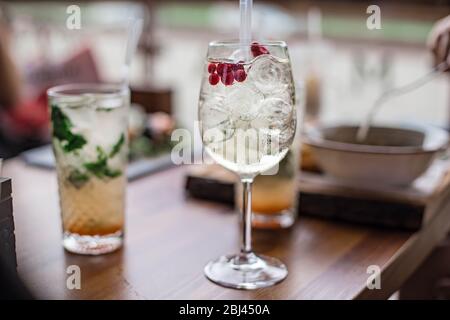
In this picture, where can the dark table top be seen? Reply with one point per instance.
(170, 238)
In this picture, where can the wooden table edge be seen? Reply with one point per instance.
(409, 257)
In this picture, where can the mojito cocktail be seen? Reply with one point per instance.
(89, 135)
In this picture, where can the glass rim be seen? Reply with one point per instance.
(237, 43)
(108, 90)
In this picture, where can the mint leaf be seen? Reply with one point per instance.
(100, 167)
(112, 173)
(116, 148)
(76, 142)
(78, 178)
(62, 131)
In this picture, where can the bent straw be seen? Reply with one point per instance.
(134, 33)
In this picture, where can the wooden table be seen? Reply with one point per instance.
(170, 238)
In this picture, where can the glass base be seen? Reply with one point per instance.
(279, 220)
(92, 245)
(246, 271)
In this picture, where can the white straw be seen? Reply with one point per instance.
(134, 33)
(245, 31)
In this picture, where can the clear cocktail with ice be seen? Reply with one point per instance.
(247, 109)
(248, 121)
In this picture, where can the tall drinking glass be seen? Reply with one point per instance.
(247, 119)
(89, 135)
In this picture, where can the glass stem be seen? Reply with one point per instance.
(247, 216)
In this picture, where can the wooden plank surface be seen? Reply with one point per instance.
(325, 197)
(169, 239)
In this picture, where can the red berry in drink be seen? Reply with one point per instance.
(228, 68)
(227, 78)
(220, 68)
(238, 66)
(240, 75)
(214, 79)
(211, 67)
(263, 50)
(255, 49)
(258, 49)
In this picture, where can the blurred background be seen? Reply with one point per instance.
(342, 64)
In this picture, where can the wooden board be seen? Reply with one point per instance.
(322, 196)
(7, 239)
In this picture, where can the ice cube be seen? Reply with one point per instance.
(275, 120)
(273, 113)
(216, 122)
(269, 75)
(243, 102)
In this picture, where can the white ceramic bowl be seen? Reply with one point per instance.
(390, 155)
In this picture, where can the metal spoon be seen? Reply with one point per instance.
(364, 127)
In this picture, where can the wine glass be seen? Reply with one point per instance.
(247, 120)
